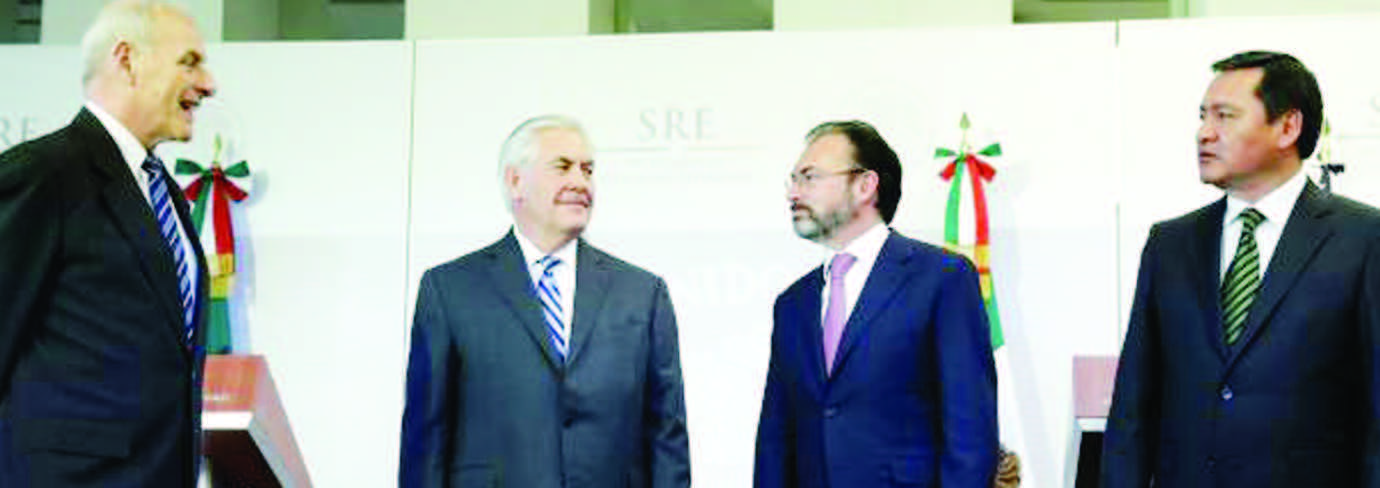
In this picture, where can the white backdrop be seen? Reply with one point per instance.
(694, 136)
(324, 128)
(1166, 68)
(375, 161)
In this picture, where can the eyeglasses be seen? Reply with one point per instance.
(808, 178)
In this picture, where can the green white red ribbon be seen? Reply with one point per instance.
(967, 165)
(212, 189)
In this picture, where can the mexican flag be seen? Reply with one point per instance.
(967, 230)
(212, 189)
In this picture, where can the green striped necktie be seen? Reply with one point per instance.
(1242, 283)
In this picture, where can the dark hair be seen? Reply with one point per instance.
(873, 154)
(1286, 85)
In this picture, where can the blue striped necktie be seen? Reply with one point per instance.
(167, 226)
(550, 296)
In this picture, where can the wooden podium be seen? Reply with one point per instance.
(1093, 379)
(248, 441)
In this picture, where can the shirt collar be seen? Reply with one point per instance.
(865, 247)
(531, 253)
(1275, 205)
(133, 151)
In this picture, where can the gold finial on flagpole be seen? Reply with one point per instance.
(963, 123)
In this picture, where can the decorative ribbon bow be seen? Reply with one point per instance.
(216, 187)
(979, 172)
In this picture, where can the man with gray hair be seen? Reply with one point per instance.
(104, 283)
(540, 361)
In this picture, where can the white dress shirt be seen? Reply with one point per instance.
(134, 154)
(564, 273)
(865, 248)
(1276, 206)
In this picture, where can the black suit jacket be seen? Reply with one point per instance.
(98, 386)
(488, 405)
(1296, 401)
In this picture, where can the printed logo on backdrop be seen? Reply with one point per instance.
(18, 128)
(672, 128)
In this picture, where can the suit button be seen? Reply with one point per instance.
(1211, 463)
(1227, 393)
(830, 412)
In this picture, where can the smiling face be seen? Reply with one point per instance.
(553, 193)
(168, 79)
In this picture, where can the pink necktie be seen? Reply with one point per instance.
(836, 314)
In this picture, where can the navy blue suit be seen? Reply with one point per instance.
(1295, 402)
(98, 385)
(490, 406)
(912, 398)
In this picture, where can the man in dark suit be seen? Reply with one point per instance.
(540, 361)
(102, 281)
(881, 368)
(1251, 356)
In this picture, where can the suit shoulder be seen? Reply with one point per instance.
(1185, 224)
(1356, 217)
(45, 157)
(1189, 218)
(1355, 209)
(619, 266)
(465, 264)
(932, 255)
(810, 282)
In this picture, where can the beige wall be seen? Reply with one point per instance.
(457, 19)
(64, 21)
(251, 20)
(859, 14)
(1238, 8)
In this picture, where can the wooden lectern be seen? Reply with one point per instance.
(248, 441)
(1093, 378)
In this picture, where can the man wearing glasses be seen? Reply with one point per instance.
(881, 368)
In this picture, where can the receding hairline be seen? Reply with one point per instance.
(137, 22)
(519, 148)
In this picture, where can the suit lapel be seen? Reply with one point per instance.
(510, 278)
(1206, 255)
(592, 275)
(134, 219)
(1303, 234)
(888, 274)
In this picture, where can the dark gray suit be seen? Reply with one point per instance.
(98, 386)
(488, 405)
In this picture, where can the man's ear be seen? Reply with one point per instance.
(869, 184)
(122, 54)
(511, 178)
(1290, 127)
